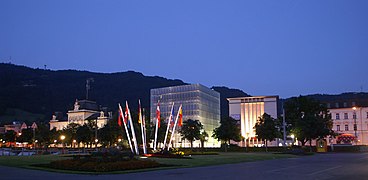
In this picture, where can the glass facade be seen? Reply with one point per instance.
(199, 103)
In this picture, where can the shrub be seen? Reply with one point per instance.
(91, 165)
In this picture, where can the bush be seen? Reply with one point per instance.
(93, 165)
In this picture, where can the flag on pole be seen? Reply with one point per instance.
(139, 112)
(173, 130)
(180, 116)
(126, 129)
(119, 118)
(168, 125)
(142, 126)
(132, 129)
(158, 114)
(126, 117)
(171, 119)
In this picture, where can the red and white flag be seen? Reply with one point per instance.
(158, 114)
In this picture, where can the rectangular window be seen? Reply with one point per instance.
(367, 115)
(346, 116)
(346, 127)
(337, 115)
(355, 127)
(354, 115)
(345, 104)
(337, 127)
(336, 105)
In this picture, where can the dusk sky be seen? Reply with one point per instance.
(283, 47)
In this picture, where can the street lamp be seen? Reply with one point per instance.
(96, 141)
(355, 125)
(62, 137)
(292, 137)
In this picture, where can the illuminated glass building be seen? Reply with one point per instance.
(199, 103)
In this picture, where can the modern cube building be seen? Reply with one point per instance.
(199, 103)
(247, 110)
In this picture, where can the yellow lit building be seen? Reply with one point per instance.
(247, 111)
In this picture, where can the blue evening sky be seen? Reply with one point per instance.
(283, 47)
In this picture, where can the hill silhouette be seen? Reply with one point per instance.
(28, 94)
(43, 91)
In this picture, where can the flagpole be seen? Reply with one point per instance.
(156, 129)
(132, 129)
(173, 131)
(142, 130)
(145, 134)
(126, 130)
(168, 126)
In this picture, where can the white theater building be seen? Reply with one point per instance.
(247, 110)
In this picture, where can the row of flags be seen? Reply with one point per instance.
(126, 120)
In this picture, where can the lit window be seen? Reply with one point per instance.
(346, 127)
(337, 115)
(337, 127)
(346, 116)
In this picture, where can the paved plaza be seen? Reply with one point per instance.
(319, 166)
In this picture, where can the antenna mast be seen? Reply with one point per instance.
(88, 86)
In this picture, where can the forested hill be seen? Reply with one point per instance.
(42, 91)
(225, 93)
(34, 94)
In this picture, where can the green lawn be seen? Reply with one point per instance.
(197, 160)
(27, 161)
(222, 158)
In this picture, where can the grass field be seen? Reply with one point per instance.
(196, 161)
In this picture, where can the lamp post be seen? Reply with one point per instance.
(96, 141)
(355, 126)
(62, 137)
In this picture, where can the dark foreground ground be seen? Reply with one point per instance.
(320, 166)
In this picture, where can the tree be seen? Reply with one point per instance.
(9, 136)
(27, 136)
(191, 130)
(308, 119)
(43, 134)
(70, 132)
(203, 137)
(228, 130)
(85, 134)
(267, 128)
(110, 133)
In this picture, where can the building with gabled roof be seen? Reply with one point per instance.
(84, 111)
